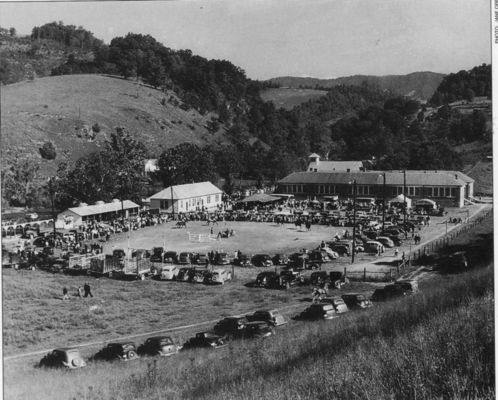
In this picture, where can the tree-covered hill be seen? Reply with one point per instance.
(464, 85)
(419, 85)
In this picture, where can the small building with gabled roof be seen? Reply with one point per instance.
(189, 197)
(100, 211)
(317, 165)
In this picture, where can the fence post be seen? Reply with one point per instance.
(233, 271)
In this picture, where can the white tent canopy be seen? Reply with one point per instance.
(402, 199)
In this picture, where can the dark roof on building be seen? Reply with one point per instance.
(413, 178)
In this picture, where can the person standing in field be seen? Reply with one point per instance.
(87, 290)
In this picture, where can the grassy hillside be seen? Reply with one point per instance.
(477, 166)
(288, 98)
(417, 84)
(63, 109)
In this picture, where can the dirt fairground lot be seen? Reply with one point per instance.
(34, 316)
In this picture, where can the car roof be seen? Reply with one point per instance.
(159, 337)
(121, 343)
(66, 349)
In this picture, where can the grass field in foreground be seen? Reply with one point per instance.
(436, 344)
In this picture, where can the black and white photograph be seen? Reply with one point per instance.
(247, 199)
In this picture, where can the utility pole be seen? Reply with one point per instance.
(404, 200)
(172, 203)
(354, 221)
(52, 195)
(384, 202)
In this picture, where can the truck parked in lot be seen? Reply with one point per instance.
(117, 265)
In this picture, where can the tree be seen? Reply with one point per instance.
(18, 180)
(114, 172)
(47, 151)
(186, 163)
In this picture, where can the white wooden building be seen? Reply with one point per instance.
(189, 197)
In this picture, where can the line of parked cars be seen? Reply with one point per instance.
(260, 324)
(333, 306)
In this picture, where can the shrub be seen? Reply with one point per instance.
(47, 151)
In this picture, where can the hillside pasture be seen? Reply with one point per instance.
(62, 109)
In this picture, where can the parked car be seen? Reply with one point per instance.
(319, 278)
(201, 259)
(319, 257)
(280, 259)
(341, 249)
(185, 274)
(256, 329)
(388, 292)
(231, 326)
(373, 246)
(387, 242)
(262, 260)
(337, 302)
(220, 276)
(331, 253)
(63, 358)
(317, 311)
(185, 258)
(243, 260)
(200, 276)
(171, 257)
(123, 351)
(205, 339)
(271, 316)
(410, 286)
(222, 259)
(356, 300)
(169, 272)
(286, 279)
(158, 346)
(264, 278)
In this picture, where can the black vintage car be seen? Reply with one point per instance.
(205, 339)
(123, 351)
(231, 326)
(320, 278)
(388, 292)
(63, 358)
(262, 260)
(157, 254)
(264, 278)
(158, 346)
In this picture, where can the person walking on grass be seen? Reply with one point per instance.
(87, 290)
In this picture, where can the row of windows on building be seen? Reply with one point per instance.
(193, 202)
(416, 191)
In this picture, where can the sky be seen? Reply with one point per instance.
(270, 38)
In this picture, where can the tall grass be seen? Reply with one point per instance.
(435, 344)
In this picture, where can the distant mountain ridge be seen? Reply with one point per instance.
(420, 85)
